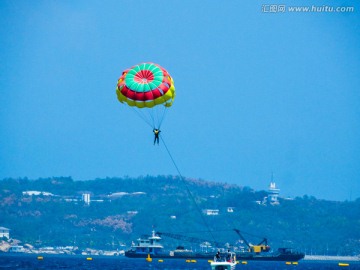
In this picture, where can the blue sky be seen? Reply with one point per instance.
(257, 92)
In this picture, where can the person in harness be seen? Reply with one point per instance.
(156, 134)
(228, 256)
(218, 257)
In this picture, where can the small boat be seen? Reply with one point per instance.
(146, 246)
(225, 261)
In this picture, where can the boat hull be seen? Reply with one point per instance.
(210, 256)
(222, 266)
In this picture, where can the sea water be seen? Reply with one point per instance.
(34, 261)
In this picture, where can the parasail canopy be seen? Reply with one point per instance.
(146, 85)
(149, 90)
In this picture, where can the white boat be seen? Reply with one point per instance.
(225, 261)
(145, 246)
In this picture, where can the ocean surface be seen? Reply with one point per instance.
(31, 261)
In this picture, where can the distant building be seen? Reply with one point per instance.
(272, 197)
(273, 194)
(4, 232)
(230, 210)
(211, 212)
(86, 198)
(260, 202)
(120, 194)
(17, 249)
(37, 193)
(99, 200)
(71, 200)
(138, 193)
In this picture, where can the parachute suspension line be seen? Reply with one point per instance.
(142, 116)
(188, 190)
(152, 119)
(162, 117)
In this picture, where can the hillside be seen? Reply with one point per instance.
(122, 209)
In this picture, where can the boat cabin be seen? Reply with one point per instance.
(150, 245)
(226, 261)
(221, 267)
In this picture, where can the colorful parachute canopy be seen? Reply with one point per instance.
(146, 85)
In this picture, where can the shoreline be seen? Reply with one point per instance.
(331, 258)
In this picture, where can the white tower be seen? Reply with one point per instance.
(273, 193)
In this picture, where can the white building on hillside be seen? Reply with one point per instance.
(230, 210)
(4, 232)
(273, 194)
(211, 212)
(36, 193)
(86, 198)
